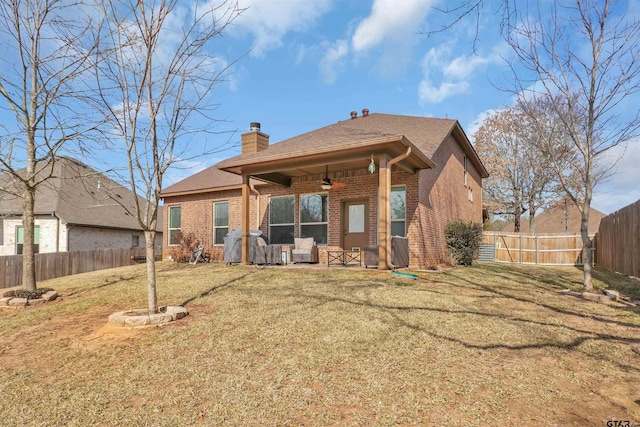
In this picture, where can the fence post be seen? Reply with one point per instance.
(537, 249)
(520, 249)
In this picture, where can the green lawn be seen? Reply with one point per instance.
(490, 344)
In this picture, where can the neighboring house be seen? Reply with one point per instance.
(350, 184)
(561, 218)
(77, 209)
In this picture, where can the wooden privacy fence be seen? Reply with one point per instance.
(52, 265)
(618, 241)
(532, 249)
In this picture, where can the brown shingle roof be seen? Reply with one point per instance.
(552, 221)
(424, 132)
(205, 180)
(80, 195)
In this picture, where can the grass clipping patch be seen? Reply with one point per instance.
(491, 344)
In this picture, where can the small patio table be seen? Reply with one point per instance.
(343, 257)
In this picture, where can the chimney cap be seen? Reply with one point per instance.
(254, 126)
(354, 114)
(365, 112)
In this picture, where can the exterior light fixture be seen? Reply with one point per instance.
(326, 182)
(372, 166)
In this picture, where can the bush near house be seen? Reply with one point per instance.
(463, 240)
(187, 243)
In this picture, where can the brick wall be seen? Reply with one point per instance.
(443, 197)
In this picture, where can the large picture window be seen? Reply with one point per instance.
(220, 222)
(281, 220)
(398, 211)
(175, 221)
(20, 239)
(314, 217)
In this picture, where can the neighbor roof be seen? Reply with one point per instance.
(552, 220)
(79, 195)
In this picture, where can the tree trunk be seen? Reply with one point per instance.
(152, 299)
(586, 247)
(28, 255)
(532, 219)
(516, 220)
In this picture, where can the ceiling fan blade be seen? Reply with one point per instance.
(338, 185)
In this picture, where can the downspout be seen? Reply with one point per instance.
(387, 190)
(253, 188)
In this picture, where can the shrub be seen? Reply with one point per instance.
(463, 240)
(23, 293)
(187, 242)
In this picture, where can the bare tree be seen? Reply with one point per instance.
(586, 57)
(46, 50)
(520, 178)
(156, 73)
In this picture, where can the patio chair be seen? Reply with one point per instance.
(304, 250)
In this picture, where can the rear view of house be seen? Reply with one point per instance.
(348, 185)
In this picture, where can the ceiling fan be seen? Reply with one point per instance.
(328, 185)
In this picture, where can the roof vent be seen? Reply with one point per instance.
(254, 127)
(365, 112)
(354, 114)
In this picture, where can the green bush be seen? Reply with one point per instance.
(463, 240)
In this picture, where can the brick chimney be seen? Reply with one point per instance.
(254, 140)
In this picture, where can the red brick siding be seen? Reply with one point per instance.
(443, 197)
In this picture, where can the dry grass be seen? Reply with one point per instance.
(491, 344)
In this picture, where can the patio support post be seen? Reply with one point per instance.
(383, 212)
(245, 219)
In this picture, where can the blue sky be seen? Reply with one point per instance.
(307, 64)
(312, 62)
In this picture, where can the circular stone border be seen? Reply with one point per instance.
(138, 318)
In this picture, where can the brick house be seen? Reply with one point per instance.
(350, 184)
(76, 209)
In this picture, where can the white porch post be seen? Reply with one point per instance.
(383, 213)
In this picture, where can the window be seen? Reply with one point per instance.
(465, 170)
(174, 224)
(281, 220)
(314, 217)
(398, 211)
(135, 241)
(20, 239)
(220, 222)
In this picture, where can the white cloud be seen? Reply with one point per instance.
(270, 20)
(453, 74)
(622, 188)
(390, 20)
(333, 61)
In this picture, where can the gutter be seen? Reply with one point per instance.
(387, 190)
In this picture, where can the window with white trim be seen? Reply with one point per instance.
(175, 224)
(135, 241)
(465, 170)
(220, 222)
(20, 239)
(281, 220)
(314, 217)
(398, 210)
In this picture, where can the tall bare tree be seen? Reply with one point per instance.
(585, 55)
(46, 52)
(520, 177)
(155, 76)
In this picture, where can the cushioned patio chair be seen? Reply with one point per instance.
(304, 250)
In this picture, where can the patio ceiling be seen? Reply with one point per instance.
(279, 169)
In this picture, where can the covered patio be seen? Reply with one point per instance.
(282, 163)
